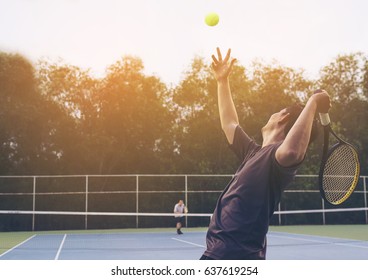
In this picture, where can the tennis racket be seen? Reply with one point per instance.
(340, 168)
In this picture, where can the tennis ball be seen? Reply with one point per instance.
(212, 19)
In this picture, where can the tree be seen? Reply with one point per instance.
(59, 119)
(71, 92)
(25, 120)
(134, 122)
(344, 77)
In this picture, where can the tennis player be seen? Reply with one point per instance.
(179, 210)
(241, 218)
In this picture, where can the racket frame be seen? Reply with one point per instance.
(326, 154)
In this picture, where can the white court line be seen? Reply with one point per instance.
(187, 242)
(11, 249)
(299, 238)
(351, 245)
(60, 247)
(326, 242)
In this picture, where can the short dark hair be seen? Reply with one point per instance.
(294, 112)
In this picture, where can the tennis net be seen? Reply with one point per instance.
(142, 200)
(74, 220)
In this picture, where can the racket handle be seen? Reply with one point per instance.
(325, 118)
(324, 107)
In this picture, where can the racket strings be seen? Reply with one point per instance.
(340, 174)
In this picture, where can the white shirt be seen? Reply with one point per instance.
(179, 209)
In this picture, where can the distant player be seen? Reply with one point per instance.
(241, 218)
(179, 210)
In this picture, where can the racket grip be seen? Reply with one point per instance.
(325, 118)
(323, 107)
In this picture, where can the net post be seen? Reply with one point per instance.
(33, 202)
(323, 212)
(186, 197)
(137, 200)
(365, 197)
(279, 207)
(86, 205)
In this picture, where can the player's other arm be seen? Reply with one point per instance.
(228, 115)
(292, 151)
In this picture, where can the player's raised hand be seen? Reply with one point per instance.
(222, 67)
(323, 100)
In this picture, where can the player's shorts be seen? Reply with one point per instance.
(179, 219)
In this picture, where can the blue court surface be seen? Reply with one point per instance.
(170, 246)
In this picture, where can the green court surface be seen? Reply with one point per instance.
(356, 232)
(10, 239)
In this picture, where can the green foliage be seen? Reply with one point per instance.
(28, 123)
(345, 77)
(56, 118)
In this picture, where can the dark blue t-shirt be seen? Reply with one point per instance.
(241, 218)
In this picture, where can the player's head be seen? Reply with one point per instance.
(281, 122)
(294, 112)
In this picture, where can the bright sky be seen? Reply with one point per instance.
(168, 34)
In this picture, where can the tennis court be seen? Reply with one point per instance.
(96, 217)
(164, 244)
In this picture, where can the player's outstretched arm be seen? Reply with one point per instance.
(228, 116)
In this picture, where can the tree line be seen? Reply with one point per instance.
(57, 118)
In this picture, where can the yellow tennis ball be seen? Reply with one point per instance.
(212, 19)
